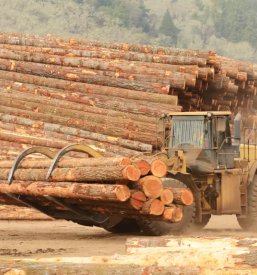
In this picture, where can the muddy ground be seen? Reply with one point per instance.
(66, 239)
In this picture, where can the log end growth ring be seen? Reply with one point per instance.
(158, 168)
(122, 193)
(131, 173)
(143, 166)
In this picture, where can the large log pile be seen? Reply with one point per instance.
(113, 186)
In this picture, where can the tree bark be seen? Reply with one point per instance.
(76, 123)
(76, 174)
(68, 131)
(80, 75)
(150, 185)
(69, 163)
(100, 192)
(46, 106)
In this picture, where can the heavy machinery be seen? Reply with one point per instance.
(201, 155)
(219, 169)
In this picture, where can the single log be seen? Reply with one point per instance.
(158, 168)
(69, 163)
(77, 174)
(137, 200)
(102, 192)
(153, 207)
(143, 166)
(21, 213)
(150, 185)
(182, 196)
(76, 123)
(68, 131)
(166, 196)
(80, 75)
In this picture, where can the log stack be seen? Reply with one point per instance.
(112, 186)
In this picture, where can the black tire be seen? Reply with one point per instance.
(205, 221)
(125, 226)
(154, 228)
(250, 221)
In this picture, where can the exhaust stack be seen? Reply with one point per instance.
(237, 128)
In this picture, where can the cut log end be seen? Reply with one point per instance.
(152, 186)
(137, 199)
(125, 161)
(143, 166)
(153, 207)
(122, 193)
(158, 168)
(131, 173)
(167, 196)
(177, 215)
(183, 196)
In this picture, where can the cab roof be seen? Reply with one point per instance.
(216, 113)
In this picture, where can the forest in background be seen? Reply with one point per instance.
(226, 26)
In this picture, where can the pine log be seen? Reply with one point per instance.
(97, 101)
(76, 123)
(45, 106)
(80, 75)
(109, 65)
(21, 213)
(153, 207)
(85, 88)
(62, 42)
(68, 131)
(143, 166)
(182, 196)
(77, 174)
(166, 196)
(100, 192)
(69, 163)
(137, 200)
(150, 185)
(158, 168)
(55, 97)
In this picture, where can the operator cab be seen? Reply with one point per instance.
(204, 138)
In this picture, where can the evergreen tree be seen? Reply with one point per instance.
(120, 11)
(168, 28)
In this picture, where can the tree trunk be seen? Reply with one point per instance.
(100, 192)
(80, 75)
(77, 174)
(158, 168)
(68, 131)
(172, 214)
(153, 207)
(150, 185)
(69, 163)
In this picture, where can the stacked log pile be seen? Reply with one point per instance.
(113, 186)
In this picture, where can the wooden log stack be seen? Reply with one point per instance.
(113, 186)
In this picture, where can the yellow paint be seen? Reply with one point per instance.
(244, 151)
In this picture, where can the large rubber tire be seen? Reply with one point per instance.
(125, 226)
(250, 222)
(205, 221)
(154, 228)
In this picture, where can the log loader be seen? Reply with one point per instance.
(200, 155)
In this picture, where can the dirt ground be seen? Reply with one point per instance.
(66, 239)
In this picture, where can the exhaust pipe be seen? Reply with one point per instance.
(237, 128)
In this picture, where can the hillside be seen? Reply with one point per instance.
(227, 27)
